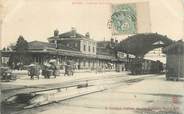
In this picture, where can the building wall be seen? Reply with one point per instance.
(73, 45)
(88, 46)
(106, 48)
(175, 65)
(105, 51)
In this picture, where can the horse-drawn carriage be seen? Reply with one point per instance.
(34, 71)
(6, 74)
(51, 69)
(48, 71)
(69, 68)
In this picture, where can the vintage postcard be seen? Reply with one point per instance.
(92, 56)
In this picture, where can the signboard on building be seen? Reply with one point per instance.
(121, 55)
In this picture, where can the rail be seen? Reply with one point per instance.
(57, 94)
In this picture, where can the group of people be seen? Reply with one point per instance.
(17, 66)
(69, 68)
(49, 69)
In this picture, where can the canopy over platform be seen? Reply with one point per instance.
(140, 44)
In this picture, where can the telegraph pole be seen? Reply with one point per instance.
(1, 22)
(182, 2)
(183, 16)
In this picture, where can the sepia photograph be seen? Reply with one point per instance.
(92, 56)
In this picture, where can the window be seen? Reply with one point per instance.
(93, 49)
(68, 45)
(84, 47)
(76, 44)
(59, 41)
(84, 64)
(52, 41)
(89, 48)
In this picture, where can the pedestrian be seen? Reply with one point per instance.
(13, 66)
(66, 70)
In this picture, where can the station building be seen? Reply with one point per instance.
(85, 52)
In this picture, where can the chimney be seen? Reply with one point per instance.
(87, 35)
(56, 32)
(116, 41)
(73, 29)
(112, 40)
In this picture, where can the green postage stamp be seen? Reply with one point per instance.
(123, 19)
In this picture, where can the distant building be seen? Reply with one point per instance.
(156, 54)
(108, 48)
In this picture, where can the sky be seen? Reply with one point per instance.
(37, 19)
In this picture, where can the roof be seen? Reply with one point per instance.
(65, 53)
(74, 53)
(40, 45)
(176, 47)
(79, 54)
(70, 34)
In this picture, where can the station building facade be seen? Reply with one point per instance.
(82, 50)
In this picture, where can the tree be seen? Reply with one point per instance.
(22, 45)
(20, 55)
(4, 49)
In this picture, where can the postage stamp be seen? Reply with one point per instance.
(123, 19)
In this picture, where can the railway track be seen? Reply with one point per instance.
(29, 89)
(48, 96)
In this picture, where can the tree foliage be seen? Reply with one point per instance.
(21, 45)
(20, 55)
